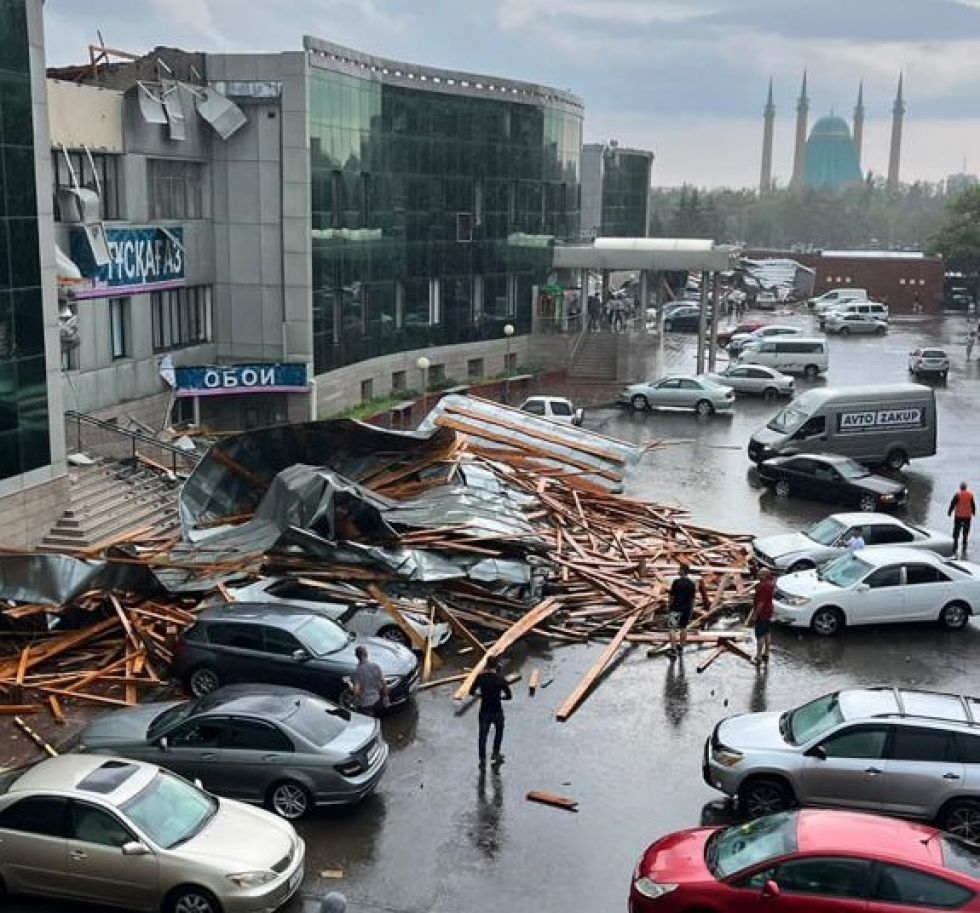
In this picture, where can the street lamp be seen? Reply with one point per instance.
(423, 363)
(508, 332)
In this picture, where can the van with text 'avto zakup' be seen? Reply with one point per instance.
(873, 424)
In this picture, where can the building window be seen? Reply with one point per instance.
(474, 368)
(119, 327)
(437, 374)
(176, 189)
(181, 317)
(95, 171)
(183, 411)
(398, 382)
(367, 390)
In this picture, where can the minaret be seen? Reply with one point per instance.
(895, 155)
(799, 154)
(859, 121)
(769, 118)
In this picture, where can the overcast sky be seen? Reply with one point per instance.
(686, 78)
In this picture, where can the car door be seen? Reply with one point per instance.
(97, 866)
(690, 392)
(238, 651)
(927, 590)
(194, 750)
(921, 772)
(281, 649)
(807, 884)
(666, 393)
(737, 379)
(879, 598)
(252, 756)
(828, 484)
(33, 845)
(898, 888)
(847, 768)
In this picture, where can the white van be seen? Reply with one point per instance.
(868, 308)
(790, 354)
(837, 296)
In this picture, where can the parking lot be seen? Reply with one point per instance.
(440, 836)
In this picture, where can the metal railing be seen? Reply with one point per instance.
(115, 435)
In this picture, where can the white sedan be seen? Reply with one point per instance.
(879, 586)
(680, 391)
(757, 380)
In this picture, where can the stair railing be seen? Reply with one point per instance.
(136, 437)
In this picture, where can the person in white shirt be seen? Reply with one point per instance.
(856, 542)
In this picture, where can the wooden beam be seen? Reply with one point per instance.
(553, 799)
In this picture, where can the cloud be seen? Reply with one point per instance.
(516, 14)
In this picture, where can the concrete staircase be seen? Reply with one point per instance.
(596, 358)
(110, 498)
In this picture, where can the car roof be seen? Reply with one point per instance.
(863, 518)
(840, 832)
(283, 615)
(908, 703)
(544, 398)
(890, 554)
(271, 702)
(112, 779)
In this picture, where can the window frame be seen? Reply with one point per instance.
(120, 344)
(181, 317)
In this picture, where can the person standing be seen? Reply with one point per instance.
(369, 685)
(492, 688)
(761, 615)
(680, 605)
(971, 340)
(856, 541)
(963, 508)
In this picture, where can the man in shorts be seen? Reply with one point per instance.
(369, 685)
(761, 614)
(680, 605)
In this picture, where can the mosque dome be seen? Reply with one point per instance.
(831, 158)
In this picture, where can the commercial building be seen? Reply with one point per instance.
(615, 191)
(32, 450)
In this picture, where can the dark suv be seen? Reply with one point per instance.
(252, 642)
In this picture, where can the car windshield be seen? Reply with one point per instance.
(811, 720)
(851, 470)
(844, 571)
(170, 810)
(321, 636)
(743, 846)
(170, 717)
(826, 531)
(960, 856)
(933, 353)
(788, 419)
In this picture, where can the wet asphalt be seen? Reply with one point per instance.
(441, 836)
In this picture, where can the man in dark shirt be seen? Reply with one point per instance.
(492, 687)
(679, 609)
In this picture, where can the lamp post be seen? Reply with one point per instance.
(423, 363)
(508, 332)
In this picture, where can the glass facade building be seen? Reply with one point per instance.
(24, 438)
(625, 192)
(433, 203)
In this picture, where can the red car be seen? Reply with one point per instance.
(809, 860)
(748, 326)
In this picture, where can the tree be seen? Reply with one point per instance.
(958, 238)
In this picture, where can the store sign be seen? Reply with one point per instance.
(140, 260)
(224, 380)
(881, 419)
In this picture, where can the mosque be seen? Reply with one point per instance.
(831, 156)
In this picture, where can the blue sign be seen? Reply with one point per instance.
(140, 260)
(222, 380)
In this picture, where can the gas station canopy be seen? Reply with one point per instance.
(656, 254)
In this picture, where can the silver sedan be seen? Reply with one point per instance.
(680, 391)
(845, 324)
(756, 380)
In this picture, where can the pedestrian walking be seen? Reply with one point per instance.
(368, 684)
(492, 688)
(761, 615)
(916, 303)
(963, 508)
(856, 541)
(595, 314)
(971, 341)
(680, 606)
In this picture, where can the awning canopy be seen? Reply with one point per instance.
(657, 254)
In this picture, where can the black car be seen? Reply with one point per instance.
(825, 477)
(687, 319)
(279, 645)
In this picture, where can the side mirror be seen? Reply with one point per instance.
(770, 889)
(135, 848)
(301, 656)
(862, 588)
(578, 417)
(817, 752)
(163, 744)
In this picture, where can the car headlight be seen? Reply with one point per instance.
(727, 757)
(888, 497)
(653, 889)
(392, 680)
(786, 599)
(251, 879)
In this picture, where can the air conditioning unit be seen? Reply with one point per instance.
(78, 204)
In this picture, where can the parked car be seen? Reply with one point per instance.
(739, 340)
(835, 297)
(856, 324)
(874, 309)
(724, 337)
(903, 752)
(366, 619)
(256, 743)
(687, 319)
(755, 380)
(879, 586)
(122, 833)
(557, 408)
(827, 539)
(928, 361)
(680, 391)
(254, 642)
(825, 477)
(810, 861)
(797, 354)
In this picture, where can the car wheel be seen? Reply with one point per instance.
(803, 565)
(639, 402)
(203, 680)
(962, 819)
(827, 622)
(396, 635)
(782, 488)
(954, 616)
(879, 331)
(811, 371)
(191, 899)
(289, 799)
(868, 503)
(703, 407)
(763, 797)
(770, 393)
(844, 331)
(896, 459)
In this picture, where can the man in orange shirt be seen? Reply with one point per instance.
(963, 509)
